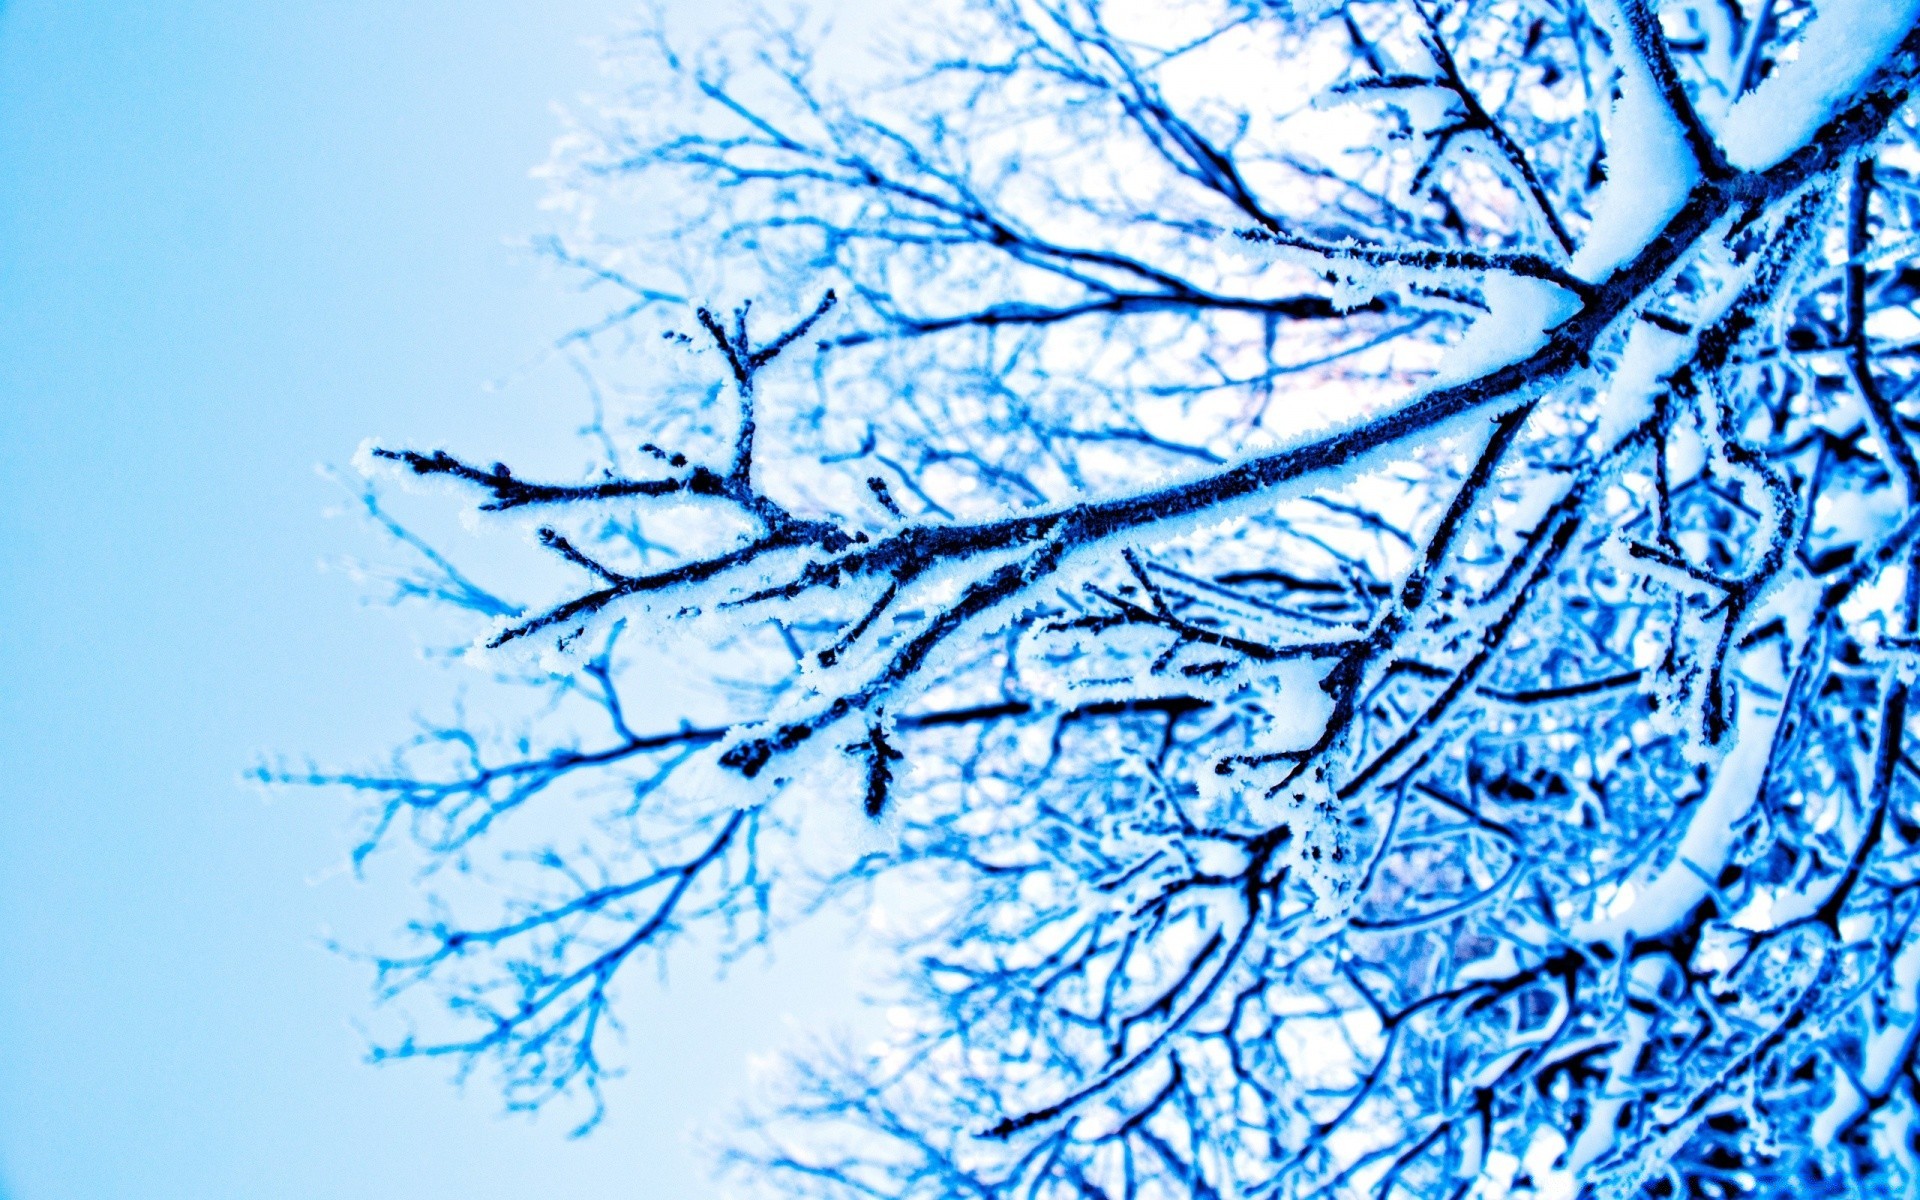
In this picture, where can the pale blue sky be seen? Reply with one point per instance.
(235, 239)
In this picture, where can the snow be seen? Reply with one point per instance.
(1597, 1136)
(1651, 355)
(1840, 49)
(1650, 170)
(1885, 1047)
(1846, 1101)
(1521, 312)
(1663, 900)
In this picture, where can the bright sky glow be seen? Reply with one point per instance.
(237, 239)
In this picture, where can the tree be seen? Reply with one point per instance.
(1355, 562)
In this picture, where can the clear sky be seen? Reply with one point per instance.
(235, 239)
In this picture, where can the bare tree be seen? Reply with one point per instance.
(1357, 558)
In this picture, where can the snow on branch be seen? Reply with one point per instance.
(1349, 627)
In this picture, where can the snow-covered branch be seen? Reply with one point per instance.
(1349, 624)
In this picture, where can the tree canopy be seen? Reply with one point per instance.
(1335, 580)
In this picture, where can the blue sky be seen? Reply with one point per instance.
(235, 239)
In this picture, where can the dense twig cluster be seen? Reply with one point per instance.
(1376, 609)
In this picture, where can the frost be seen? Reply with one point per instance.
(1320, 679)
